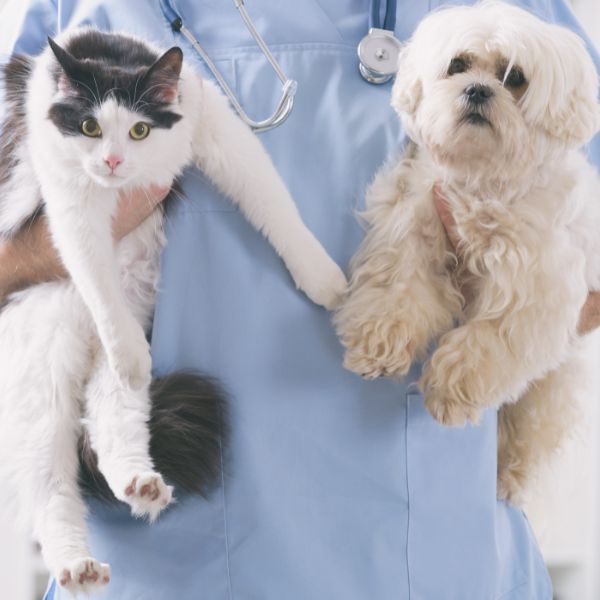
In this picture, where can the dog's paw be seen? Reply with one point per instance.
(450, 411)
(511, 486)
(452, 384)
(147, 495)
(379, 348)
(85, 575)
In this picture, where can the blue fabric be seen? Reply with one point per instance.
(337, 488)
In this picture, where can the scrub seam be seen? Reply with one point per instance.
(326, 14)
(506, 595)
(407, 397)
(237, 51)
(225, 524)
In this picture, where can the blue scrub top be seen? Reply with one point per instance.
(337, 488)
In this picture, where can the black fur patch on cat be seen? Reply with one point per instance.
(188, 429)
(95, 66)
(15, 75)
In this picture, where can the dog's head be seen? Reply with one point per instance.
(493, 82)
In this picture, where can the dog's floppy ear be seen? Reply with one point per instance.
(571, 110)
(407, 89)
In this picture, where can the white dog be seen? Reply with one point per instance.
(496, 103)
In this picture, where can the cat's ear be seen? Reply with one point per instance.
(162, 78)
(73, 70)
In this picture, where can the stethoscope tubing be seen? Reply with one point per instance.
(389, 22)
(285, 104)
(289, 86)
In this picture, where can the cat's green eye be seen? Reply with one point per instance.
(139, 131)
(91, 128)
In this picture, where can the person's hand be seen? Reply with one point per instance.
(589, 318)
(443, 210)
(134, 207)
(30, 257)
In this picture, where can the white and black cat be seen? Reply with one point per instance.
(93, 115)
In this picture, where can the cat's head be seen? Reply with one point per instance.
(117, 110)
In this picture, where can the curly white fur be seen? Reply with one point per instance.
(527, 210)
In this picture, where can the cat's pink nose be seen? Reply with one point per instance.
(113, 161)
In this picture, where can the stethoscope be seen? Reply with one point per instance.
(377, 52)
(286, 103)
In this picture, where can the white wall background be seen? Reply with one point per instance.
(565, 514)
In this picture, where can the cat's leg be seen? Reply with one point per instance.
(59, 511)
(44, 335)
(234, 159)
(80, 223)
(117, 421)
(533, 428)
(522, 325)
(401, 294)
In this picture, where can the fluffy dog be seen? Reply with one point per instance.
(496, 103)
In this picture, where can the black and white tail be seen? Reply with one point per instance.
(188, 427)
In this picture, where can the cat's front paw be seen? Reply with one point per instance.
(129, 356)
(319, 277)
(148, 495)
(379, 348)
(85, 575)
(326, 286)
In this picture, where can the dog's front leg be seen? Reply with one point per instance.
(521, 325)
(401, 294)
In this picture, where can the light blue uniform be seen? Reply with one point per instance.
(337, 488)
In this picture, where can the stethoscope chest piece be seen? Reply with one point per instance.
(378, 55)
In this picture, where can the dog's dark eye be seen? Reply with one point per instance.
(458, 65)
(515, 78)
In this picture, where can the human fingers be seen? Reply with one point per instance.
(135, 206)
(445, 214)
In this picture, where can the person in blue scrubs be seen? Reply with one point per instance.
(336, 488)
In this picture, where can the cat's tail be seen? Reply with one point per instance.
(188, 428)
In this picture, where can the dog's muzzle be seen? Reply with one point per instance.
(477, 94)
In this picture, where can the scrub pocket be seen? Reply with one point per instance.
(458, 531)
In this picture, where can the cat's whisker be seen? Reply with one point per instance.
(152, 87)
(108, 93)
(90, 90)
(137, 81)
(97, 88)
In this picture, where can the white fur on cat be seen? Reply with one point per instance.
(61, 343)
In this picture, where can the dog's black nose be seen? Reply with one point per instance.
(478, 93)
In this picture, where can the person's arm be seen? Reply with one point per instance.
(589, 318)
(30, 257)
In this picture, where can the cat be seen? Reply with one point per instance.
(94, 115)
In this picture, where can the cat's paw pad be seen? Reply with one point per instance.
(148, 495)
(84, 575)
